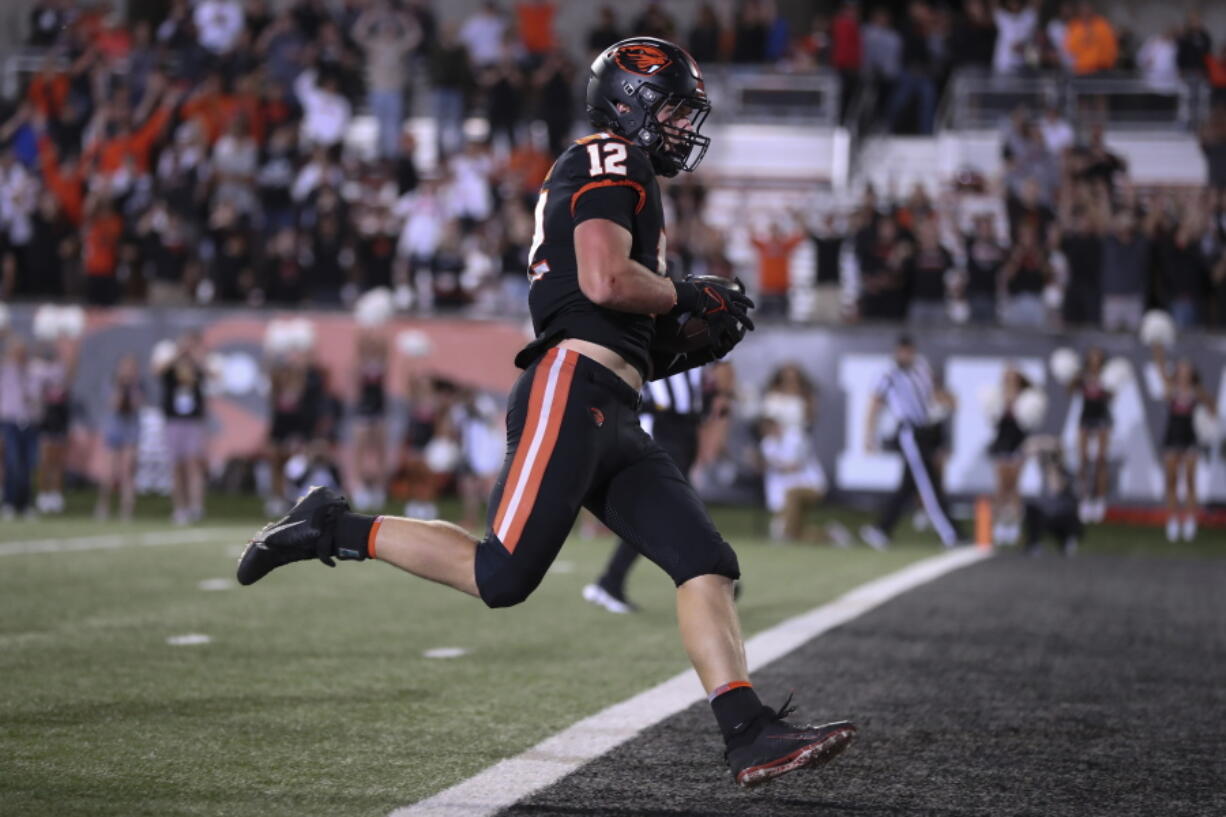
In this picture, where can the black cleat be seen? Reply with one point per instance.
(303, 533)
(781, 747)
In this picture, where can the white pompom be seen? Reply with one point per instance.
(278, 337)
(163, 352)
(47, 322)
(1064, 364)
(1157, 328)
(1117, 373)
(374, 308)
(993, 401)
(413, 343)
(442, 455)
(1208, 427)
(1030, 408)
(303, 334)
(71, 322)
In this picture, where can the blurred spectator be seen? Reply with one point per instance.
(219, 23)
(927, 270)
(534, 19)
(552, 83)
(1057, 54)
(1157, 60)
(1016, 22)
(1026, 271)
(326, 112)
(387, 39)
(654, 21)
(846, 51)
(450, 80)
(916, 81)
(1081, 243)
(774, 276)
(882, 251)
(1091, 41)
(1183, 270)
(120, 437)
(503, 84)
(483, 34)
(296, 394)
(182, 380)
(828, 244)
(369, 423)
(973, 39)
(606, 32)
(102, 234)
(1058, 135)
(1095, 163)
(1215, 71)
(19, 424)
(1194, 44)
(882, 48)
(707, 36)
(985, 256)
(1213, 145)
(778, 36)
(48, 20)
(749, 32)
(1125, 274)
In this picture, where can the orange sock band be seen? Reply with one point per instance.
(370, 539)
(728, 687)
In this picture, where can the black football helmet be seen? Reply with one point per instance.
(643, 88)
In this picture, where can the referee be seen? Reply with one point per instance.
(911, 394)
(672, 412)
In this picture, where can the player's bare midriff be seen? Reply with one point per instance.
(606, 357)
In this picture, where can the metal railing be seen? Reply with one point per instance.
(976, 101)
(765, 95)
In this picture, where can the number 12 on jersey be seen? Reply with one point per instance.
(607, 158)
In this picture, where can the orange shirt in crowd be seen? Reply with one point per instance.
(101, 246)
(536, 26)
(213, 113)
(1092, 44)
(69, 191)
(109, 155)
(47, 93)
(773, 256)
(1215, 70)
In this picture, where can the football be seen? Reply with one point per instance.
(685, 333)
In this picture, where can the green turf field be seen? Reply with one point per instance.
(313, 696)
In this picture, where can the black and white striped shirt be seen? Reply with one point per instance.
(680, 393)
(908, 392)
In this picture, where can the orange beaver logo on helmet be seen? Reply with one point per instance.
(647, 60)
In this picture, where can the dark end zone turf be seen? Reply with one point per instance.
(1019, 686)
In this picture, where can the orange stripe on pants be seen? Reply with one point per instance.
(556, 411)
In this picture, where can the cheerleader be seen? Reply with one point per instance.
(54, 370)
(369, 430)
(1007, 456)
(121, 434)
(1094, 428)
(1183, 393)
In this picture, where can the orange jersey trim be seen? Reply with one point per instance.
(638, 208)
(592, 137)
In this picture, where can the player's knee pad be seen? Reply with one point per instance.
(719, 560)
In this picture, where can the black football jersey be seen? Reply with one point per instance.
(599, 176)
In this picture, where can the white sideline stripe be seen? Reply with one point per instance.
(112, 542)
(513, 779)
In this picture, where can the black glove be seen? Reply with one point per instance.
(710, 298)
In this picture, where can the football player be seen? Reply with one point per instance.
(573, 435)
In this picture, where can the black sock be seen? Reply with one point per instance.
(614, 578)
(355, 536)
(735, 705)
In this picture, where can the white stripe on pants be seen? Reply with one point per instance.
(927, 491)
